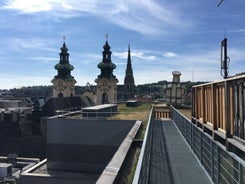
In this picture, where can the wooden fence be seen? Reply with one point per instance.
(161, 112)
(219, 108)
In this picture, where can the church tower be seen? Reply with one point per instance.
(63, 82)
(106, 81)
(129, 86)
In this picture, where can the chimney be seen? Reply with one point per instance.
(176, 76)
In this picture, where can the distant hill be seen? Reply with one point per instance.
(47, 91)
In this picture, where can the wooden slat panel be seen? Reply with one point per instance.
(221, 105)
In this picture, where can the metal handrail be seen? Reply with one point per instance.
(221, 165)
(145, 148)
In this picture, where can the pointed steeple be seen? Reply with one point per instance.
(106, 66)
(129, 64)
(129, 86)
(129, 78)
(64, 67)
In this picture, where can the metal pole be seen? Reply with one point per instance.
(220, 3)
(224, 43)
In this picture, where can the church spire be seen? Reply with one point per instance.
(64, 67)
(129, 86)
(106, 66)
(129, 64)
(106, 82)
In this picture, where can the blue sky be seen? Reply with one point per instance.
(164, 35)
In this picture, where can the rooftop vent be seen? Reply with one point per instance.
(5, 170)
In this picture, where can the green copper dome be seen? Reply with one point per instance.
(64, 67)
(106, 66)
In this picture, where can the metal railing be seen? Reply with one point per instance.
(222, 165)
(142, 173)
(69, 110)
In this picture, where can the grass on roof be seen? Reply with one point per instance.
(140, 112)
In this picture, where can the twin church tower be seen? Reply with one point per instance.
(106, 92)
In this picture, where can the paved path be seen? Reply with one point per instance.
(171, 159)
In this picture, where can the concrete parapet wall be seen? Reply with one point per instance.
(84, 145)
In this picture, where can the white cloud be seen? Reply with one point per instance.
(141, 55)
(20, 44)
(236, 54)
(136, 54)
(146, 17)
(44, 59)
(26, 43)
(29, 6)
(170, 54)
(242, 30)
(122, 55)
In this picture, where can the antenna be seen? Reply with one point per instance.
(192, 75)
(220, 3)
(224, 59)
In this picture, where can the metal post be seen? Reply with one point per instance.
(224, 65)
(227, 109)
(241, 110)
(218, 164)
(212, 159)
(240, 174)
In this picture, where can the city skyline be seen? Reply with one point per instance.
(164, 36)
